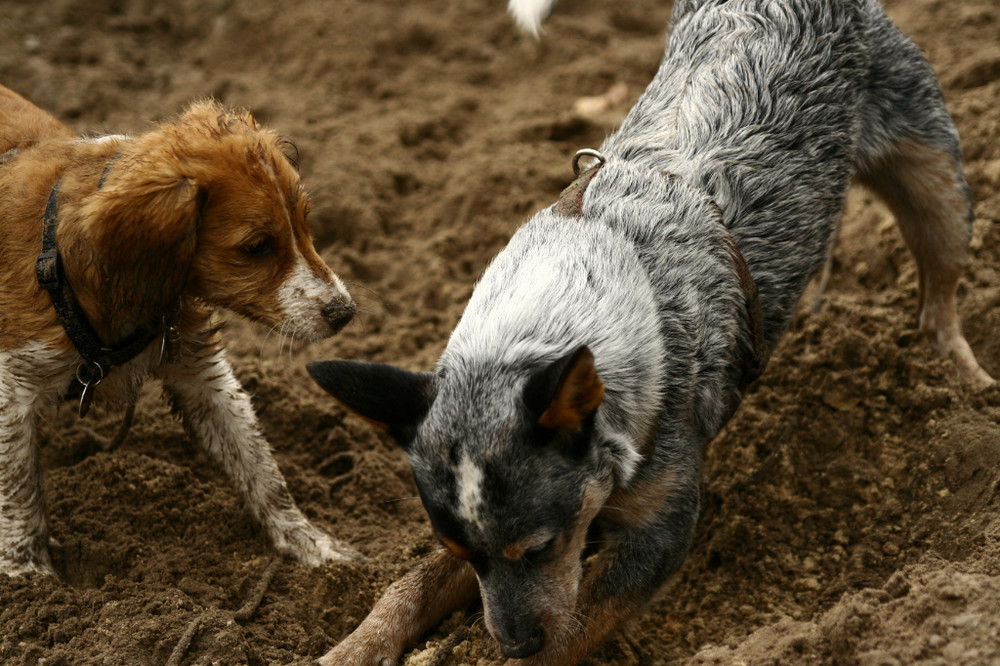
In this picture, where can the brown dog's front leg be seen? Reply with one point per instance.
(440, 584)
(24, 529)
(219, 416)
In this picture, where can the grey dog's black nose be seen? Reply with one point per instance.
(338, 313)
(526, 647)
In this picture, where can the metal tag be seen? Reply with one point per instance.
(170, 345)
(89, 375)
(86, 397)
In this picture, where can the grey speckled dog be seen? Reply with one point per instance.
(612, 338)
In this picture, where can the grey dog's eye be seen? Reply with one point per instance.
(541, 551)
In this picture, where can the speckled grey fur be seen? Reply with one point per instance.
(764, 110)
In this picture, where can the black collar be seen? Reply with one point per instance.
(98, 357)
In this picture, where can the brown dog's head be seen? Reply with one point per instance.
(209, 205)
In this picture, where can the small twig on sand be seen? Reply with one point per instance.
(108, 445)
(249, 606)
(125, 426)
(185, 642)
(245, 612)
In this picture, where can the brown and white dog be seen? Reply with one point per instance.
(145, 236)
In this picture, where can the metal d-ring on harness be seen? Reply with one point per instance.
(587, 152)
(570, 202)
(98, 359)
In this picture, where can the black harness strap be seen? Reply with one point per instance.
(107, 170)
(99, 358)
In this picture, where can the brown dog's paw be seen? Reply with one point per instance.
(14, 568)
(311, 546)
(361, 648)
(331, 550)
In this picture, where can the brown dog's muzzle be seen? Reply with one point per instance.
(338, 313)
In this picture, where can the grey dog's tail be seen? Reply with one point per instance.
(529, 14)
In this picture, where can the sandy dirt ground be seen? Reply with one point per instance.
(851, 507)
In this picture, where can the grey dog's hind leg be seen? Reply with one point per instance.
(910, 156)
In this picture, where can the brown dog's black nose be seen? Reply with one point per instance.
(338, 313)
(526, 647)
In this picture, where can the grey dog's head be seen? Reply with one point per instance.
(507, 468)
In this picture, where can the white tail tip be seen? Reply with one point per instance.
(529, 14)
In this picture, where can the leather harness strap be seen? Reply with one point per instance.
(570, 204)
(755, 360)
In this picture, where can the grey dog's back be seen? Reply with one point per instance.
(764, 109)
(770, 109)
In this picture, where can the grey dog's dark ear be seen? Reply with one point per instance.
(389, 397)
(566, 392)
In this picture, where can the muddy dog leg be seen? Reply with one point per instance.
(910, 156)
(926, 191)
(24, 530)
(440, 584)
(218, 415)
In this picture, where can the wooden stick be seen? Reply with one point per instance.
(249, 606)
(185, 642)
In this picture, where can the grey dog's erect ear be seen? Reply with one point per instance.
(563, 394)
(391, 398)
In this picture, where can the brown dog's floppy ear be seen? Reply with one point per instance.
(391, 398)
(565, 393)
(144, 236)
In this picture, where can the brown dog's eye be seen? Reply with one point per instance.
(260, 248)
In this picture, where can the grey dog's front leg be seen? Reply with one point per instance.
(218, 414)
(440, 584)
